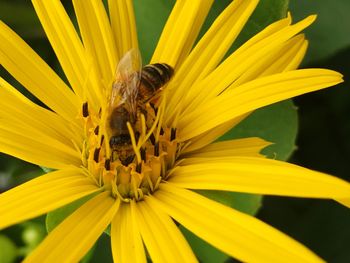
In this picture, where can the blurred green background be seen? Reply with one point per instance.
(324, 124)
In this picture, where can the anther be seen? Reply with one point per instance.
(143, 154)
(97, 154)
(108, 164)
(156, 149)
(138, 168)
(173, 134)
(97, 129)
(152, 138)
(85, 110)
(161, 131)
(102, 138)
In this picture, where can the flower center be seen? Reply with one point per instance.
(130, 165)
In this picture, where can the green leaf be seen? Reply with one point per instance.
(55, 217)
(8, 251)
(330, 33)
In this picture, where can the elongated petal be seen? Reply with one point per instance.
(73, 238)
(238, 147)
(253, 95)
(259, 175)
(64, 40)
(16, 108)
(210, 50)
(43, 194)
(181, 31)
(127, 244)
(163, 239)
(210, 136)
(250, 60)
(94, 24)
(35, 146)
(123, 25)
(233, 232)
(35, 75)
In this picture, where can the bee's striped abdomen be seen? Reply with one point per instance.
(153, 77)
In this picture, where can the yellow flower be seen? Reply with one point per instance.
(174, 141)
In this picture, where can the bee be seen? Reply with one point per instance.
(132, 89)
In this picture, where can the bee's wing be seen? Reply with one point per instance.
(128, 73)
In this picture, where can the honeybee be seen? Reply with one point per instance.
(133, 88)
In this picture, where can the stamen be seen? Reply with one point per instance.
(150, 132)
(173, 134)
(160, 118)
(85, 110)
(108, 164)
(97, 129)
(97, 154)
(156, 149)
(102, 139)
(152, 138)
(133, 142)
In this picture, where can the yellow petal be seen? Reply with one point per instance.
(97, 36)
(235, 233)
(35, 75)
(164, 241)
(285, 57)
(250, 59)
(181, 31)
(43, 194)
(210, 136)
(237, 147)
(209, 51)
(69, 50)
(73, 238)
(16, 108)
(289, 58)
(127, 244)
(260, 176)
(35, 146)
(253, 95)
(123, 25)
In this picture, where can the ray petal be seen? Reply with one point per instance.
(43, 194)
(163, 239)
(237, 234)
(245, 64)
(210, 50)
(180, 31)
(94, 25)
(253, 95)
(73, 238)
(212, 135)
(35, 75)
(259, 176)
(237, 147)
(64, 40)
(123, 25)
(16, 108)
(125, 227)
(36, 147)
